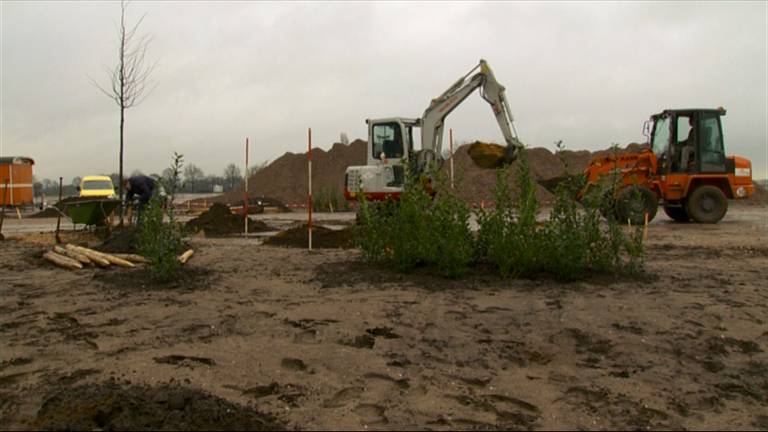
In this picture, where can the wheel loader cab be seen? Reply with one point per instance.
(689, 142)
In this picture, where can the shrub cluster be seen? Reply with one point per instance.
(417, 230)
(573, 242)
(159, 241)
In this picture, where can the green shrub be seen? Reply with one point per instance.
(509, 237)
(159, 242)
(417, 230)
(574, 242)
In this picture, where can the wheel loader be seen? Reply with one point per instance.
(684, 169)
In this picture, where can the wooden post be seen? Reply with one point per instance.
(245, 191)
(645, 227)
(309, 186)
(450, 143)
(58, 215)
(2, 215)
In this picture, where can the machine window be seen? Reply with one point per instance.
(711, 144)
(387, 140)
(661, 137)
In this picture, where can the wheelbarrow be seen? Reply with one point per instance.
(89, 211)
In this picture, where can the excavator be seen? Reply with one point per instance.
(391, 149)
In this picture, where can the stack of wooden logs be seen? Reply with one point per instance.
(74, 257)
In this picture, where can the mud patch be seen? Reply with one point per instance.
(184, 361)
(322, 237)
(111, 406)
(190, 278)
(16, 361)
(385, 332)
(122, 240)
(293, 364)
(362, 341)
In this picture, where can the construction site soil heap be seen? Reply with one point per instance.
(322, 238)
(285, 179)
(112, 406)
(219, 221)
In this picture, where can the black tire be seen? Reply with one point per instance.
(633, 202)
(678, 214)
(707, 204)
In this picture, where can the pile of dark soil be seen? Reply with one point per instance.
(219, 221)
(188, 278)
(760, 196)
(50, 212)
(122, 240)
(322, 238)
(111, 406)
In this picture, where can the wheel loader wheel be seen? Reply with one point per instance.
(633, 202)
(707, 204)
(677, 214)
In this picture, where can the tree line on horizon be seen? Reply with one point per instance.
(194, 180)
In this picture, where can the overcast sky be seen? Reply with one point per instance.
(586, 73)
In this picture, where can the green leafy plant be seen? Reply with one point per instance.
(417, 229)
(572, 243)
(160, 241)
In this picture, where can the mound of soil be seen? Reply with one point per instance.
(322, 238)
(219, 221)
(189, 278)
(50, 212)
(760, 196)
(285, 179)
(111, 406)
(123, 240)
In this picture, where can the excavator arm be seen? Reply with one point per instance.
(481, 76)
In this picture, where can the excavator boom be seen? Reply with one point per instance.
(480, 77)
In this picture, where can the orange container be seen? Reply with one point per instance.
(17, 170)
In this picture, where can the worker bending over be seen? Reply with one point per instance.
(139, 191)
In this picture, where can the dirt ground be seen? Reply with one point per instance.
(258, 336)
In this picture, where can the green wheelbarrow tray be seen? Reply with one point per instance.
(89, 211)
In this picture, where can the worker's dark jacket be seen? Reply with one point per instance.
(141, 187)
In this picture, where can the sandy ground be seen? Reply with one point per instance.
(324, 342)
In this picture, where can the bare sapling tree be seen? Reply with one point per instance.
(129, 80)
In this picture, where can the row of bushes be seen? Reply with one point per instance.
(575, 240)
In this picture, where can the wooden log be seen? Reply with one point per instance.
(62, 261)
(137, 259)
(110, 258)
(82, 259)
(91, 254)
(183, 258)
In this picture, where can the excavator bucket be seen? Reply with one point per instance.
(486, 155)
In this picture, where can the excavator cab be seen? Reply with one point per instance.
(390, 150)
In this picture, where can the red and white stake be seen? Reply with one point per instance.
(309, 187)
(245, 191)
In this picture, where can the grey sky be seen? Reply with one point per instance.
(587, 73)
